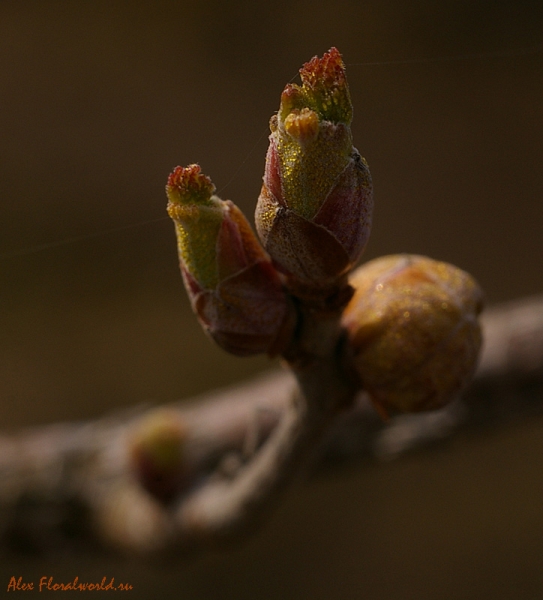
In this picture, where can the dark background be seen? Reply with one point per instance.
(100, 100)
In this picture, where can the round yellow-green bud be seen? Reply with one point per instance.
(157, 451)
(413, 331)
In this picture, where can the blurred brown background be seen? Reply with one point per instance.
(99, 100)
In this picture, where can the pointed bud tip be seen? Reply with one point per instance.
(324, 81)
(188, 185)
(328, 70)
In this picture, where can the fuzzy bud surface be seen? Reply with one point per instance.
(314, 211)
(234, 289)
(413, 330)
(315, 208)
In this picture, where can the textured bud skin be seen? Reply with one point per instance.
(314, 211)
(157, 453)
(413, 330)
(234, 289)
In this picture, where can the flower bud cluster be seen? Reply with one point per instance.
(411, 326)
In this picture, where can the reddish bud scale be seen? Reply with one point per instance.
(413, 331)
(234, 290)
(314, 211)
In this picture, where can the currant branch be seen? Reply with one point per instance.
(404, 329)
(400, 332)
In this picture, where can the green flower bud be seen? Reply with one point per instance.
(234, 289)
(314, 211)
(413, 331)
(158, 455)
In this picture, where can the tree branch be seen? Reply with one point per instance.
(76, 484)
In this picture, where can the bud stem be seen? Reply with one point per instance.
(225, 506)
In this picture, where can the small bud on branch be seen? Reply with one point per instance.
(413, 331)
(403, 328)
(158, 455)
(234, 289)
(314, 211)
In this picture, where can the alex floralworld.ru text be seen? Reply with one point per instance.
(48, 583)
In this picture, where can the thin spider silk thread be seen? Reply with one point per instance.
(526, 51)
